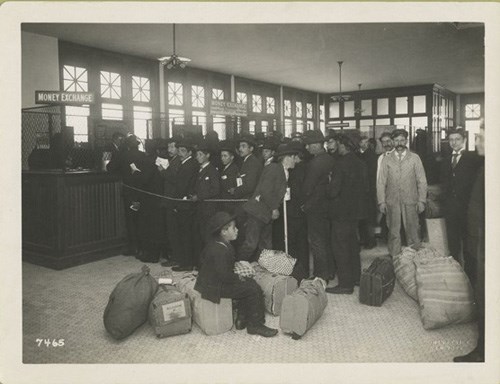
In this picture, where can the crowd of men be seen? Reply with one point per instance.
(336, 189)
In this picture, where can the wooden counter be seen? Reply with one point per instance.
(71, 218)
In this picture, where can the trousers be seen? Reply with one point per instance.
(251, 299)
(258, 236)
(407, 216)
(185, 220)
(318, 235)
(345, 245)
(456, 230)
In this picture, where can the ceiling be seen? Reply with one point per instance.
(377, 55)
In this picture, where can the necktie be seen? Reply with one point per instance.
(400, 155)
(454, 160)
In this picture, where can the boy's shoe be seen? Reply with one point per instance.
(340, 290)
(261, 330)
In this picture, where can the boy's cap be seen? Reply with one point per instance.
(218, 221)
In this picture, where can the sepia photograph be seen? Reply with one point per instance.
(251, 190)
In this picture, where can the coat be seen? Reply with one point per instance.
(295, 182)
(217, 265)
(457, 183)
(169, 177)
(228, 180)
(347, 189)
(207, 186)
(268, 194)
(186, 179)
(315, 182)
(250, 171)
(401, 182)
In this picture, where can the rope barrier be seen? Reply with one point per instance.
(185, 200)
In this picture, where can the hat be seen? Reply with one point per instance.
(161, 143)
(297, 146)
(249, 139)
(314, 136)
(131, 141)
(218, 221)
(458, 131)
(350, 138)
(269, 143)
(203, 146)
(385, 134)
(399, 132)
(228, 146)
(286, 149)
(185, 143)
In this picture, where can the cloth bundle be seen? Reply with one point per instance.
(277, 261)
(244, 268)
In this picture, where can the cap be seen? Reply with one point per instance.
(286, 149)
(218, 221)
(313, 136)
(249, 139)
(399, 132)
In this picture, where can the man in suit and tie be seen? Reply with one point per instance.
(228, 175)
(262, 207)
(402, 192)
(250, 169)
(458, 173)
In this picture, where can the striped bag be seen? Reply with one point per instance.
(404, 266)
(277, 262)
(444, 292)
(244, 268)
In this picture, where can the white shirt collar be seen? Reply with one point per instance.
(459, 152)
(203, 166)
(268, 161)
(245, 159)
(227, 166)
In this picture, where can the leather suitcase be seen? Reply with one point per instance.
(377, 282)
(303, 308)
(170, 312)
(213, 319)
(275, 288)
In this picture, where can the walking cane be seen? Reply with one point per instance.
(285, 223)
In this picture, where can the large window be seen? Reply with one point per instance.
(309, 110)
(251, 127)
(287, 108)
(288, 128)
(141, 89)
(175, 93)
(472, 123)
(264, 126)
(141, 117)
(200, 118)
(382, 106)
(111, 85)
(197, 96)
(300, 126)
(75, 79)
(77, 117)
(322, 119)
(220, 126)
(349, 108)
(217, 94)
(241, 98)
(270, 105)
(402, 105)
(175, 116)
(257, 103)
(112, 111)
(298, 109)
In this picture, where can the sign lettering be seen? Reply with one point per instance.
(64, 98)
(227, 108)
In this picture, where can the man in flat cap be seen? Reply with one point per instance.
(402, 192)
(458, 173)
(315, 204)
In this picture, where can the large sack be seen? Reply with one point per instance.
(404, 266)
(444, 292)
(277, 262)
(303, 307)
(170, 312)
(213, 319)
(436, 233)
(377, 282)
(275, 287)
(128, 304)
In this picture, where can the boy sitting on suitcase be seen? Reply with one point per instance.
(217, 280)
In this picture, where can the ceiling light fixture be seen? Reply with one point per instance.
(340, 98)
(174, 61)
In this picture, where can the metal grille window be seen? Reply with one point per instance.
(111, 85)
(241, 98)
(217, 94)
(256, 103)
(298, 109)
(309, 110)
(287, 108)
(200, 118)
(112, 111)
(220, 126)
(264, 126)
(472, 111)
(175, 93)
(75, 79)
(77, 117)
(197, 96)
(141, 117)
(270, 105)
(141, 89)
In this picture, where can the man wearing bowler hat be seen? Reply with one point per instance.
(250, 169)
(228, 174)
(401, 192)
(315, 204)
(262, 207)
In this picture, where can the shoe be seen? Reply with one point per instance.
(340, 290)
(181, 268)
(356, 283)
(476, 356)
(169, 263)
(261, 330)
(240, 323)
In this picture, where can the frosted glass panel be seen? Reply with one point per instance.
(349, 108)
(402, 122)
(419, 104)
(352, 123)
(366, 107)
(382, 106)
(383, 122)
(334, 110)
(419, 122)
(401, 105)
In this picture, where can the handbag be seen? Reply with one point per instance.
(277, 262)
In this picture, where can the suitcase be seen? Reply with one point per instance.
(377, 282)
(170, 312)
(303, 308)
(213, 319)
(275, 287)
